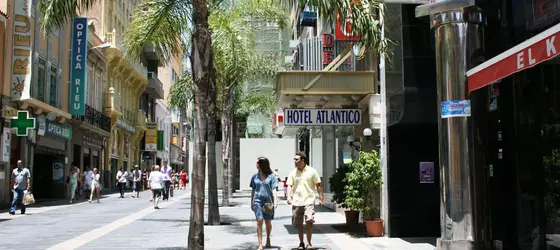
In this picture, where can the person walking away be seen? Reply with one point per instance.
(95, 185)
(19, 183)
(156, 183)
(72, 183)
(302, 182)
(175, 180)
(87, 178)
(137, 181)
(263, 198)
(183, 179)
(278, 179)
(144, 179)
(122, 178)
(166, 170)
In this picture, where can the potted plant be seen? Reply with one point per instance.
(337, 186)
(363, 181)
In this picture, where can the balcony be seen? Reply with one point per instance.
(94, 118)
(111, 103)
(326, 89)
(116, 43)
(141, 119)
(155, 87)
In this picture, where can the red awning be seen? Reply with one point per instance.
(539, 48)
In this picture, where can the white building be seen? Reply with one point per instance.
(163, 120)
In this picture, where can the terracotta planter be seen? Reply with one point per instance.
(352, 217)
(374, 228)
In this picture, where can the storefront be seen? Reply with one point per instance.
(49, 158)
(516, 116)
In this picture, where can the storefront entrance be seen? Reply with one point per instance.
(519, 158)
(48, 173)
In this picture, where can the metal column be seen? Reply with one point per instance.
(458, 35)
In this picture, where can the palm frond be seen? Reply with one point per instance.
(55, 14)
(181, 93)
(362, 13)
(161, 24)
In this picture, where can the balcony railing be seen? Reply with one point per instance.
(141, 118)
(95, 118)
(116, 42)
(111, 100)
(155, 87)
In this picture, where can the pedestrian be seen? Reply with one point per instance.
(20, 183)
(151, 191)
(137, 181)
(144, 179)
(95, 185)
(302, 182)
(156, 182)
(87, 179)
(166, 170)
(277, 176)
(78, 185)
(175, 179)
(122, 178)
(184, 177)
(72, 183)
(263, 198)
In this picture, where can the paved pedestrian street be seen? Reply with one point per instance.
(132, 223)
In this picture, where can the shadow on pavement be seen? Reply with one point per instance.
(171, 248)
(292, 230)
(59, 202)
(431, 241)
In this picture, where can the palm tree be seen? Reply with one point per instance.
(236, 60)
(162, 23)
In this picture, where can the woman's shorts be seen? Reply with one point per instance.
(259, 214)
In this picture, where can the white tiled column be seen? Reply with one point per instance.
(329, 155)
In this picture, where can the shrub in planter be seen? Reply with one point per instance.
(337, 187)
(363, 180)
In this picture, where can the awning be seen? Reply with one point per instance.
(539, 48)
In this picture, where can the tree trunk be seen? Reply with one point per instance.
(227, 122)
(213, 207)
(201, 70)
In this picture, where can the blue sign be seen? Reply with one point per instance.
(78, 66)
(322, 117)
(458, 108)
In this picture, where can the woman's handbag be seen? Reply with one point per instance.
(268, 208)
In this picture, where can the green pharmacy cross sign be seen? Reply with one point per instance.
(22, 123)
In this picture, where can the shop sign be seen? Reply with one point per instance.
(60, 130)
(456, 108)
(58, 173)
(42, 125)
(127, 127)
(427, 174)
(6, 145)
(150, 137)
(79, 72)
(344, 27)
(22, 51)
(92, 142)
(322, 117)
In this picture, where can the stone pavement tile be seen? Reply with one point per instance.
(42, 230)
(168, 229)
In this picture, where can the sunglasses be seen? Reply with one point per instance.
(296, 159)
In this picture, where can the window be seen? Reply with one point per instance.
(40, 91)
(98, 80)
(90, 76)
(53, 87)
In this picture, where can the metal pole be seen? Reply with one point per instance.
(458, 36)
(383, 131)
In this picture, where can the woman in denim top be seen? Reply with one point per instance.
(263, 185)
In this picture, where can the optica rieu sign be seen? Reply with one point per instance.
(322, 117)
(79, 66)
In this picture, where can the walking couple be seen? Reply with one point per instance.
(302, 182)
